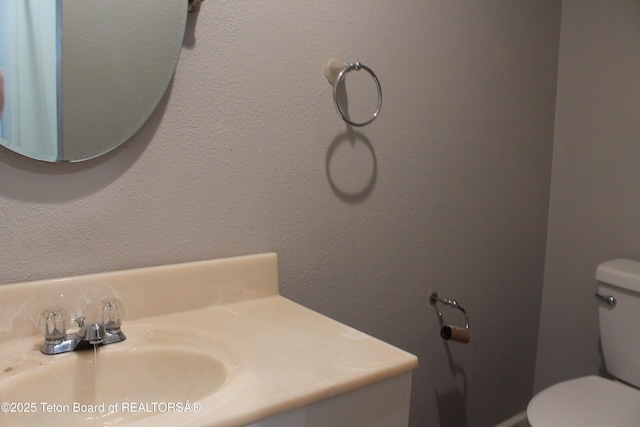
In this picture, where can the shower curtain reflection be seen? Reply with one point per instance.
(28, 35)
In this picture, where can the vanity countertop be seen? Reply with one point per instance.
(290, 357)
(284, 355)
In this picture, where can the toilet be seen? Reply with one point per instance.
(592, 400)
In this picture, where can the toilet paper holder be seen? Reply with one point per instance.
(448, 332)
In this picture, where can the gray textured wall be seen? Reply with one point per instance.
(447, 189)
(595, 201)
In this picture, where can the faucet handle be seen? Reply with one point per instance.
(112, 313)
(53, 323)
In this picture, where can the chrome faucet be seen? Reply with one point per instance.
(54, 320)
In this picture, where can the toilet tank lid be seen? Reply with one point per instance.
(624, 273)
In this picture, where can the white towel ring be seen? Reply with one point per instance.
(349, 67)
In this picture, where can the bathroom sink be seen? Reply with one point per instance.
(208, 344)
(155, 370)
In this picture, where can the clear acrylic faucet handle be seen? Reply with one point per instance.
(53, 322)
(112, 312)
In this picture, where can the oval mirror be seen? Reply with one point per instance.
(82, 76)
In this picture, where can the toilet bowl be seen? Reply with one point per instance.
(586, 402)
(594, 401)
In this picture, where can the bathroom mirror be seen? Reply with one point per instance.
(82, 76)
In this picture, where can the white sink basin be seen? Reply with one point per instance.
(155, 370)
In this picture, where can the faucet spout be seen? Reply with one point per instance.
(94, 333)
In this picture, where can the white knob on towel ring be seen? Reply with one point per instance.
(332, 68)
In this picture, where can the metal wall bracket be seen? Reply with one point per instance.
(194, 5)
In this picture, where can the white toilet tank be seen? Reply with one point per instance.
(620, 323)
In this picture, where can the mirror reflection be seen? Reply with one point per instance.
(80, 77)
